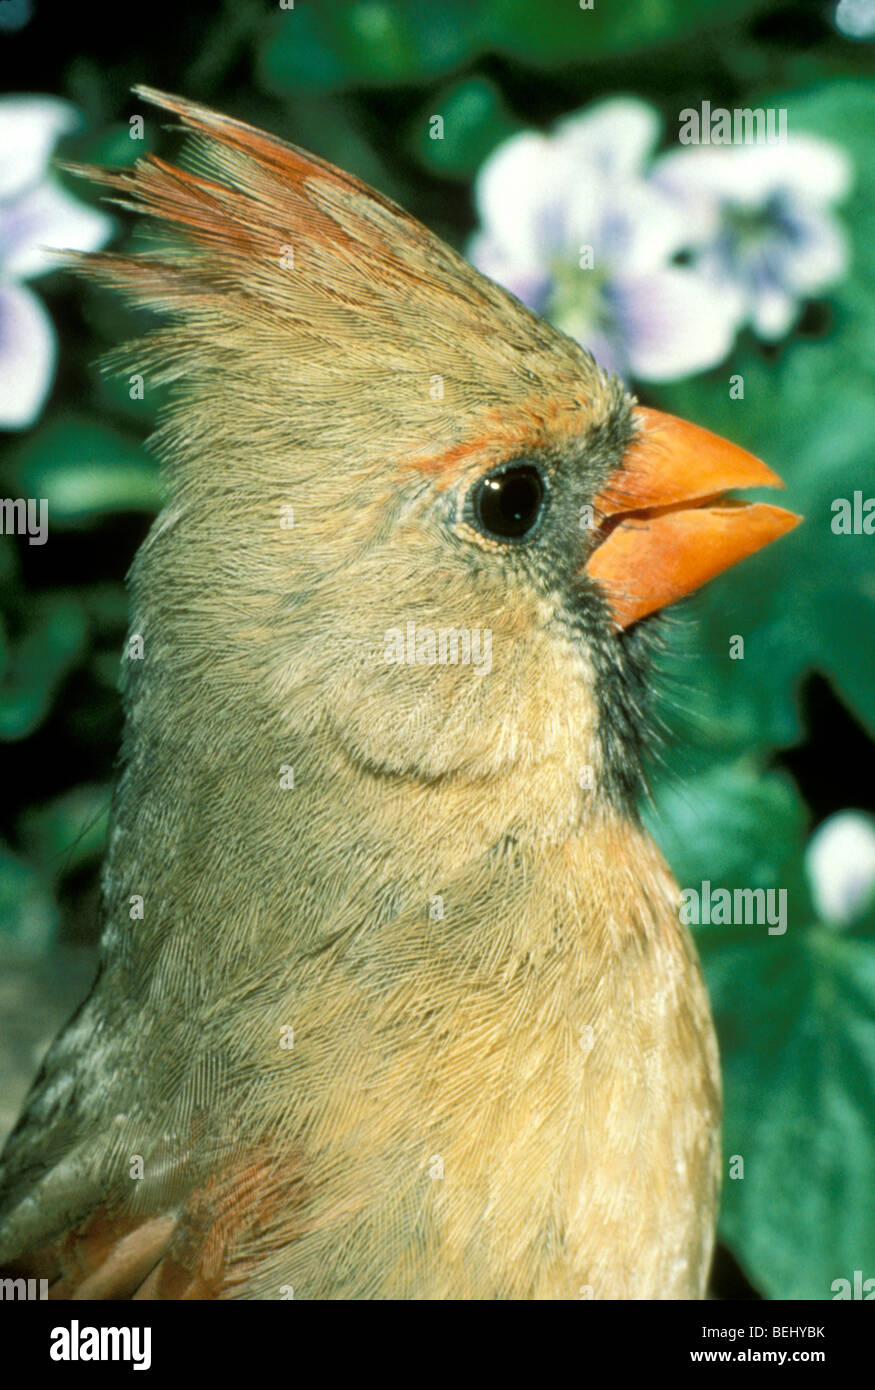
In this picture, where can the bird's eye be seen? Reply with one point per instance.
(508, 504)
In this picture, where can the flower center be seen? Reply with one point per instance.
(577, 297)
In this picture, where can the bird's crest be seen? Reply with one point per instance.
(277, 260)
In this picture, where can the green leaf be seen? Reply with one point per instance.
(734, 826)
(366, 42)
(106, 606)
(561, 31)
(28, 914)
(796, 1019)
(8, 562)
(351, 43)
(475, 120)
(85, 470)
(32, 667)
(69, 831)
(112, 396)
(795, 1015)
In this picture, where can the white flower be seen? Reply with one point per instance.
(761, 228)
(840, 860)
(550, 205)
(35, 213)
(856, 18)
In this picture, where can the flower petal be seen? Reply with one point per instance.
(840, 860)
(47, 217)
(818, 254)
(29, 129)
(28, 349)
(855, 19)
(606, 348)
(615, 136)
(748, 175)
(772, 311)
(673, 323)
(638, 228)
(516, 188)
(530, 283)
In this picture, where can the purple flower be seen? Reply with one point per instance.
(571, 225)
(35, 213)
(760, 223)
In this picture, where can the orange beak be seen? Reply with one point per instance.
(667, 527)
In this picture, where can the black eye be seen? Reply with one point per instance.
(508, 504)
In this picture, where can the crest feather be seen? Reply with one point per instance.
(271, 250)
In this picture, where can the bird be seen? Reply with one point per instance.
(394, 1000)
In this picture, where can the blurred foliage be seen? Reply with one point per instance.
(796, 1018)
(810, 411)
(746, 778)
(342, 45)
(795, 1013)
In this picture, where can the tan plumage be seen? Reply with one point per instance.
(504, 1081)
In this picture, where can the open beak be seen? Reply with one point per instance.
(666, 527)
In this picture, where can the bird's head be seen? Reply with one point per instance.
(409, 521)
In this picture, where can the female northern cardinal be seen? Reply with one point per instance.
(394, 1000)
